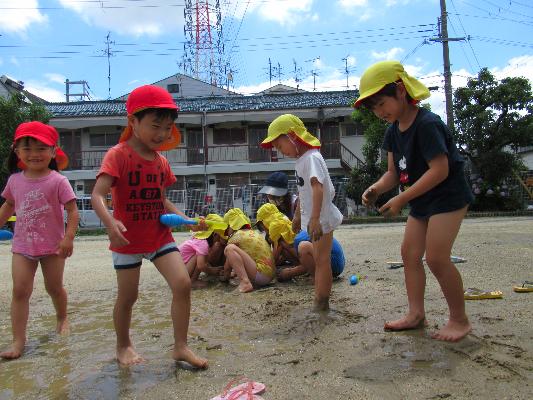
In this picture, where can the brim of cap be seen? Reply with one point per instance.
(273, 191)
(366, 95)
(174, 141)
(36, 137)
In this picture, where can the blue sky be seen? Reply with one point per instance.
(44, 42)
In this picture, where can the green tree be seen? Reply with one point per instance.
(13, 111)
(375, 165)
(492, 119)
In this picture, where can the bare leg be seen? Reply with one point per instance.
(243, 265)
(53, 267)
(23, 273)
(323, 274)
(305, 255)
(128, 289)
(193, 268)
(413, 247)
(171, 267)
(442, 231)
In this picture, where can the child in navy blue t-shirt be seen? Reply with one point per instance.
(424, 160)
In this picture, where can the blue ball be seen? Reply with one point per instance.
(354, 279)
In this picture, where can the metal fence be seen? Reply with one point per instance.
(195, 202)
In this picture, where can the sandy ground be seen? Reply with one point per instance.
(272, 336)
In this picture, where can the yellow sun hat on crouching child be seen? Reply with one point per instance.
(281, 228)
(267, 213)
(236, 219)
(384, 72)
(210, 228)
(289, 123)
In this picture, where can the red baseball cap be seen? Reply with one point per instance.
(151, 96)
(43, 133)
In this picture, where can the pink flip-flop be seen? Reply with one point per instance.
(248, 390)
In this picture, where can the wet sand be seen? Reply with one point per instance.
(272, 336)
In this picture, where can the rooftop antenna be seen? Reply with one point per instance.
(108, 52)
(278, 70)
(346, 71)
(297, 70)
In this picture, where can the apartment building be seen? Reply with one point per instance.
(221, 136)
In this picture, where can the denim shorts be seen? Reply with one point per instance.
(127, 261)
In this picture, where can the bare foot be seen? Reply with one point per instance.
(185, 354)
(283, 275)
(453, 331)
(127, 356)
(322, 304)
(63, 327)
(245, 287)
(406, 323)
(14, 352)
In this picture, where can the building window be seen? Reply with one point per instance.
(229, 135)
(353, 130)
(173, 88)
(104, 139)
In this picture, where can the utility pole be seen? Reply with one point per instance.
(444, 39)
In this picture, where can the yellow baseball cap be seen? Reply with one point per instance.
(236, 219)
(220, 222)
(384, 72)
(289, 123)
(281, 228)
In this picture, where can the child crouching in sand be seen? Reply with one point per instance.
(202, 252)
(247, 253)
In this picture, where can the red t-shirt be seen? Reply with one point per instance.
(138, 193)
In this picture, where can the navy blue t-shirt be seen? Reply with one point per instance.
(426, 138)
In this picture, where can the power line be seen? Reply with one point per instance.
(468, 41)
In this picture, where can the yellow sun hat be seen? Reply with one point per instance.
(236, 219)
(211, 228)
(267, 213)
(384, 72)
(289, 123)
(281, 228)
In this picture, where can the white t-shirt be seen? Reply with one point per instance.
(311, 164)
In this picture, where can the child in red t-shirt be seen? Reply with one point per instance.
(137, 176)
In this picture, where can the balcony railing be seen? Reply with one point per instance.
(219, 154)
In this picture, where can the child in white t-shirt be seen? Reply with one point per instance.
(316, 212)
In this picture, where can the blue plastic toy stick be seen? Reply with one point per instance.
(176, 220)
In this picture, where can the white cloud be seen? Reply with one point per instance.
(56, 78)
(286, 13)
(521, 66)
(14, 60)
(351, 4)
(44, 92)
(132, 20)
(391, 54)
(21, 17)
(352, 61)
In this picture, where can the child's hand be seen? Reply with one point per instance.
(116, 237)
(392, 207)
(314, 229)
(296, 224)
(370, 196)
(65, 248)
